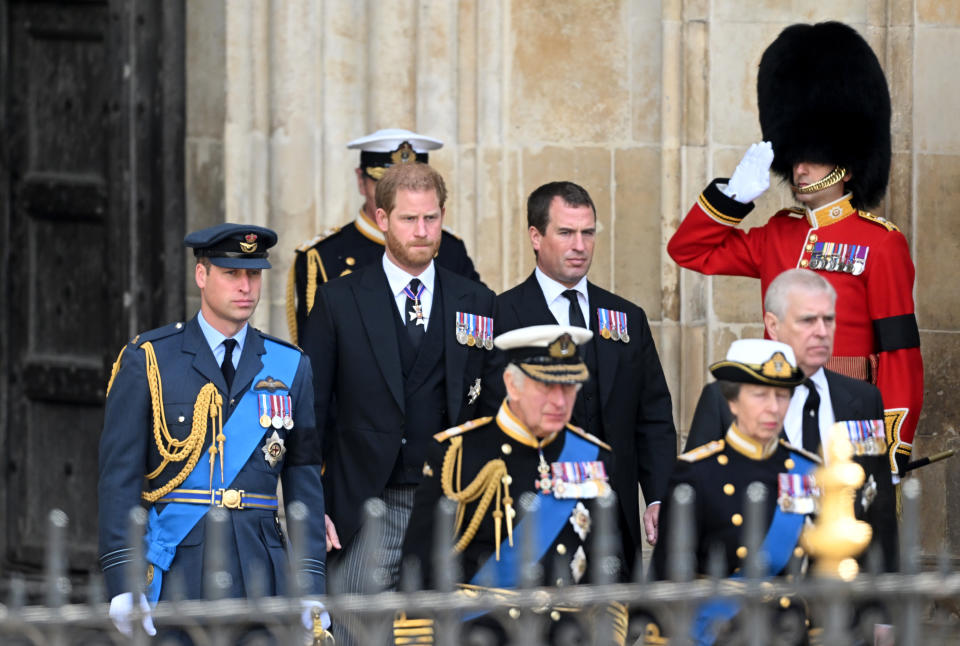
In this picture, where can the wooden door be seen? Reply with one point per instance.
(91, 192)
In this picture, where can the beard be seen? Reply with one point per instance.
(410, 256)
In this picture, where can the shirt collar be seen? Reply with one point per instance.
(552, 290)
(215, 338)
(830, 213)
(511, 425)
(819, 378)
(748, 446)
(399, 279)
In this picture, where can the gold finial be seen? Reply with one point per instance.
(321, 636)
(837, 537)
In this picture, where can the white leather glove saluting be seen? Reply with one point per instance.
(752, 176)
(121, 609)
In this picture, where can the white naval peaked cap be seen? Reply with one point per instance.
(547, 353)
(388, 140)
(759, 361)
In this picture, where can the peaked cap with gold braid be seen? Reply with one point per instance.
(547, 353)
(759, 361)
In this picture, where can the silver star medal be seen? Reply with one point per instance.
(578, 564)
(273, 449)
(580, 519)
(869, 493)
(474, 392)
(417, 313)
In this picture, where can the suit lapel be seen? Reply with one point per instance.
(374, 302)
(606, 350)
(841, 400)
(250, 362)
(531, 308)
(454, 354)
(203, 360)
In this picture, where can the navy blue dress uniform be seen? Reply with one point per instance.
(499, 460)
(626, 402)
(852, 400)
(344, 249)
(720, 473)
(179, 440)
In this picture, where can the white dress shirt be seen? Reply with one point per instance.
(557, 303)
(398, 279)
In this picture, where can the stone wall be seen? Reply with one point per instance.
(641, 102)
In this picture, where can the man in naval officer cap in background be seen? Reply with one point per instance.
(203, 414)
(341, 250)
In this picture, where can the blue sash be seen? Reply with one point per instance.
(167, 529)
(551, 515)
(781, 538)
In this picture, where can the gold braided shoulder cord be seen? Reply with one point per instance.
(483, 487)
(209, 403)
(291, 306)
(314, 266)
(114, 370)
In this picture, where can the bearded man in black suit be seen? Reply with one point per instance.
(401, 350)
(626, 402)
(800, 310)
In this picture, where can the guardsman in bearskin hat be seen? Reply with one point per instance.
(825, 117)
(208, 413)
(341, 250)
(490, 467)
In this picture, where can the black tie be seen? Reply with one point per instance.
(415, 315)
(576, 314)
(227, 366)
(811, 422)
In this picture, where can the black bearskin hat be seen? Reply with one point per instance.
(823, 98)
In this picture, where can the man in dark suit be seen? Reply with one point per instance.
(800, 310)
(401, 349)
(211, 386)
(627, 404)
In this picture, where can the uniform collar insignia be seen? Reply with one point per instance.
(748, 446)
(831, 213)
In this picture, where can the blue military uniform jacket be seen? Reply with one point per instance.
(254, 545)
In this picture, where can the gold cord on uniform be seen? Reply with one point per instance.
(209, 404)
(492, 480)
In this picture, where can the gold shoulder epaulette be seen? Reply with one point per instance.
(306, 244)
(703, 451)
(813, 457)
(454, 431)
(866, 215)
(590, 437)
(795, 211)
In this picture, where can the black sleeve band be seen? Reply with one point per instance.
(726, 205)
(896, 333)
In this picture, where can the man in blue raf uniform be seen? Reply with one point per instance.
(342, 250)
(529, 450)
(208, 413)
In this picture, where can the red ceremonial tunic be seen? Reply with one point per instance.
(865, 258)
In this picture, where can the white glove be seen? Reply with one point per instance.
(121, 607)
(752, 176)
(307, 615)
